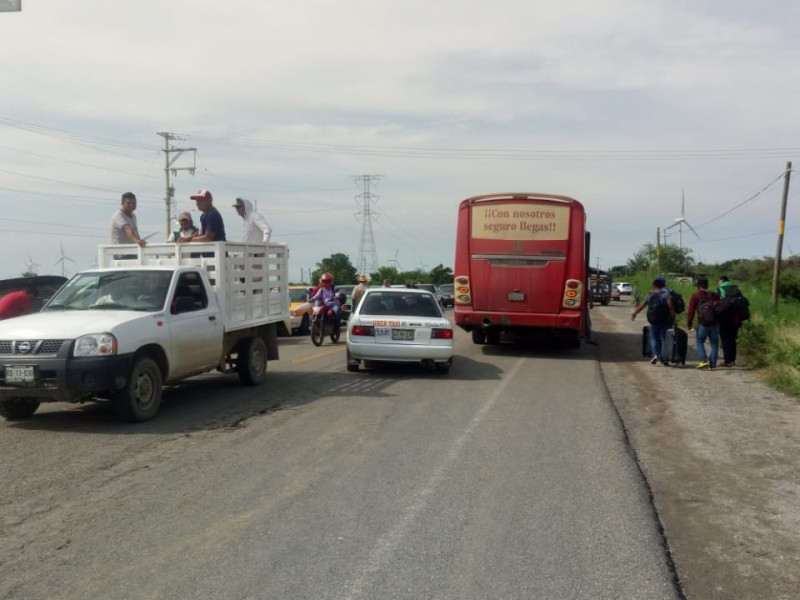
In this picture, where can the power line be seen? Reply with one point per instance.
(751, 198)
(512, 153)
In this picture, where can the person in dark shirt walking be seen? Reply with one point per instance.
(701, 305)
(660, 315)
(729, 321)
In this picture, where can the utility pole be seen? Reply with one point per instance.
(658, 251)
(168, 162)
(367, 257)
(776, 274)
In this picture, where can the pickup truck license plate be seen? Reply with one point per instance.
(516, 296)
(20, 374)
(402, 334)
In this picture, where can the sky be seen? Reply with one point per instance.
(632, 107)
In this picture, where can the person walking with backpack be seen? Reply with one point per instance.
(732, 309)
(660, 315)
(701, 304)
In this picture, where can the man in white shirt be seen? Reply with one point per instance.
(123, 223)
(256, 230)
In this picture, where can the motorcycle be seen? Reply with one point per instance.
(323, 324)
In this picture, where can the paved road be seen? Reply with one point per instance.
(508, 478)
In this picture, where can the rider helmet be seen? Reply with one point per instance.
(326, 280)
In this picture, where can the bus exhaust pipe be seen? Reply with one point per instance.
(486, 322)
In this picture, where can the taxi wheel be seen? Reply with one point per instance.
(444, 367)
(352, 363)
(303, 326)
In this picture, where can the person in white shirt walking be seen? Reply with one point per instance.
(256, 229)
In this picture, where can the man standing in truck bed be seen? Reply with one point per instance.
(212, 228)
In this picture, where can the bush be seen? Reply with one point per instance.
(789, 287)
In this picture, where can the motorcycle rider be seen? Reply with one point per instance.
(329, 296)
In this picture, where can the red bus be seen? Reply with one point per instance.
(521, 267)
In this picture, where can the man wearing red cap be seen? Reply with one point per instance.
(212, 229)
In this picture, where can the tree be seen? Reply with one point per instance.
(674, 259)
(384, 273)
(441, 274)
(338, 265)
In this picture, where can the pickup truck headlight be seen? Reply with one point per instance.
(95, 344)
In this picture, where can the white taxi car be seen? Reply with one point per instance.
(399, 325)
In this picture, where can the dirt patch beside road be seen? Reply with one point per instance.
(721, 453)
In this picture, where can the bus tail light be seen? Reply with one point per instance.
(573, 293)
(461, 290)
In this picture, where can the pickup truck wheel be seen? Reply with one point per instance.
(252, 361)
(15, 409)
(140, 399)
(303, 325)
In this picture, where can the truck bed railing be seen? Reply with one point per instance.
(255, 276)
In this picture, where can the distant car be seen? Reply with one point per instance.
(615, 294)
(447, 291)
(399, 325)
(347, 305)
(625, 288)
(432, 289)
(300, 309)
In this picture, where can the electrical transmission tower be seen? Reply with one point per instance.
(367, 257)
(168, 162)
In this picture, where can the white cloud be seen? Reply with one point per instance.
(624, 104)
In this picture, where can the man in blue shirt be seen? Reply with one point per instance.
(212, 229)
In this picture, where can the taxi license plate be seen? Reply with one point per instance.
(402, 334)
(516, 296)
(20, 374)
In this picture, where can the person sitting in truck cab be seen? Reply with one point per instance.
(328, 295)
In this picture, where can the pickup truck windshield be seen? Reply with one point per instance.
(114, 290)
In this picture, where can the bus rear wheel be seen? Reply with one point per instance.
(478, 336)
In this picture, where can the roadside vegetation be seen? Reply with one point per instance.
(770, 341)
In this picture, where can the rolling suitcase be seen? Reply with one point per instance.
(677, 344)
(646, 341)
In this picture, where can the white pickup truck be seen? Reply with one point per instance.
(145, 318)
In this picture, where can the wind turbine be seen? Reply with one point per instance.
(394, 260)
(31, 268)
(62, 260)
(680, 222)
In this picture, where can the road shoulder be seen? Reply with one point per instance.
(720, 453)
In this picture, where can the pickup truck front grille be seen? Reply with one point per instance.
(30, 347)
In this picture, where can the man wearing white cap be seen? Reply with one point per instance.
(212, 229)
(256, 229)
